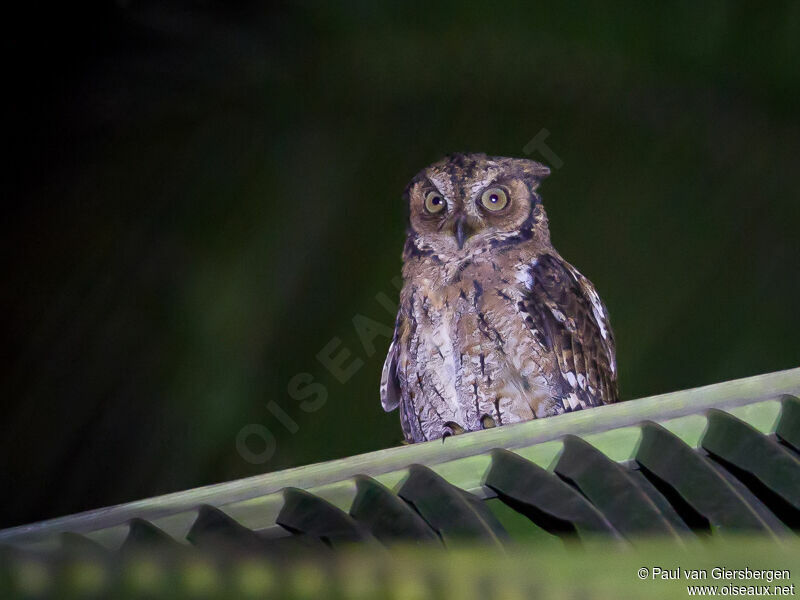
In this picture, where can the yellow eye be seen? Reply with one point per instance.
(434, 202)
(494, 199)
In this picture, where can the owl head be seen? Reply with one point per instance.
(466, 203)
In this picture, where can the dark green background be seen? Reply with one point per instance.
(203, 195)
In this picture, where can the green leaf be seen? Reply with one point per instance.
(308, 514)
(386, 516)
(455, 514)
(76, 543)
(611, 489)
(701, 495)
(544, 498)
(664, 507)
(213, 529)
(769, 470)
(788, 429)
(144, 536)
(773, 522)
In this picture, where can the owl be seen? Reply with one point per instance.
(493, 326)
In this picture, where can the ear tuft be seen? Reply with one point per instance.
(534, 169)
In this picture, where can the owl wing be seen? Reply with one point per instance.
(569, 319)
(391, 394)
(390, 384)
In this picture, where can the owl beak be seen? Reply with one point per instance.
(463, 231)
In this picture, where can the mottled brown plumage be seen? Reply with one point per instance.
(494, 327)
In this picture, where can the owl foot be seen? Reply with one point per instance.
(451, 428)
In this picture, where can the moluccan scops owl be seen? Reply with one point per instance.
(493, 326)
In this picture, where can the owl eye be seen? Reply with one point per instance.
(494, 199)
(434, 202)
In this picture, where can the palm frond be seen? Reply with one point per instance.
(716, 459)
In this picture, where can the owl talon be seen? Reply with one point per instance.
(487, 422)
(452, 428)
(455, 428)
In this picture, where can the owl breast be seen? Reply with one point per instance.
(467, 359)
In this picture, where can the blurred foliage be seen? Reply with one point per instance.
(593, 571)
(203, 195)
